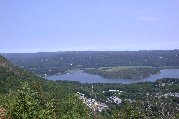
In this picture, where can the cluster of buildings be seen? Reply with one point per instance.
(171, 94)
(97, 105)
(114, 99)
(166, 95)
(92, 103)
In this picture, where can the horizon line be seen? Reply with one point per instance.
(88, 51)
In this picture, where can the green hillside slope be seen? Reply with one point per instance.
(11, 76)
(24, 95)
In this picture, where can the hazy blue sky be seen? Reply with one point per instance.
(55, 25)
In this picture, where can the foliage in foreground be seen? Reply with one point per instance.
(32, 103)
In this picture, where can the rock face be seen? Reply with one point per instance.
(5, 64)
(2, 113)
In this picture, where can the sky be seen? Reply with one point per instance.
(63, 25)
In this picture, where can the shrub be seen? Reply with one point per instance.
(28, 103)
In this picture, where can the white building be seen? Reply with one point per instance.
(114, 99)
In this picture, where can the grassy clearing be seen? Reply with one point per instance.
(118, 68)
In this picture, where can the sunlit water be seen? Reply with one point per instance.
(89, 78)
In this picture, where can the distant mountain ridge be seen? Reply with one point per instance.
(54, 62)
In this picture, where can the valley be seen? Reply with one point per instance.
(89, 59)
(156, 98)
(135, 64)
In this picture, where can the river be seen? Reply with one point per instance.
(89, 78)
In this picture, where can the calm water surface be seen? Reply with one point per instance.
(89, 78)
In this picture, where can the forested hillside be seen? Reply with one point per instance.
(26, 96)
(55, 62)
